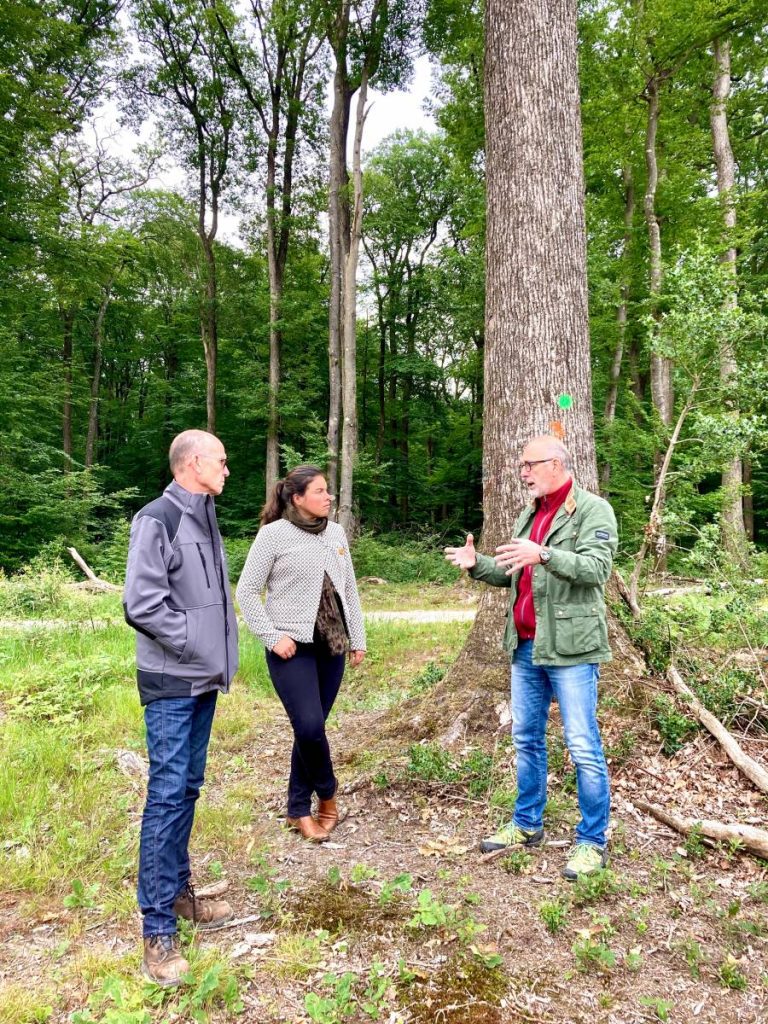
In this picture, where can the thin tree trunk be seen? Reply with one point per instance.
(661, 367)
(734, 534)
(67, 351)
(621, 313)
(349, 350)
(93, 410)
(654, 530)
(338, 234)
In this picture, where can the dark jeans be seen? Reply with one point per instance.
(307, 685)
(178, 730)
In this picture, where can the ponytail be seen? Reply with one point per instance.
(295, 482)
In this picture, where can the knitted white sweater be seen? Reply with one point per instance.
(290, 563)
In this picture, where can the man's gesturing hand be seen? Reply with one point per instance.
(517, 554)
(465, 557)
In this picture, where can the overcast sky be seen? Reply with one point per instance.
(388, 113)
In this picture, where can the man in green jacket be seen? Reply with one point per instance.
(556, 567)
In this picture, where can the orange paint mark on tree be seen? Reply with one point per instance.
(557, 429)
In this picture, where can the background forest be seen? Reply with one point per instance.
(125, 317)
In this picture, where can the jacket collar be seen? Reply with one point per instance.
(185, 499)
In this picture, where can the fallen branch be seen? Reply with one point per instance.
(755, 840)
(95, 582)
(746, 764)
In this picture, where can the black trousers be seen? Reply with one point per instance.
(307, 684)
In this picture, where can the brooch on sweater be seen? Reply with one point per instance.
(342, 551)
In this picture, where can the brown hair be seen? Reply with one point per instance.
(295, 482)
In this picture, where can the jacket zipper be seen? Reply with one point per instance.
(205, 567)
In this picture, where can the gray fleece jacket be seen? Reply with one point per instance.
(177, 597)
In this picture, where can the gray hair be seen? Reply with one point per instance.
(559, 451)
(184, 445)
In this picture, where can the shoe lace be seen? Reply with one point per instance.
(168, 942)
(581, 853)
(189, 891)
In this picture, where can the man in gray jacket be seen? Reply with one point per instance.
(178, 599)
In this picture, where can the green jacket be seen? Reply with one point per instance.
(571, 621)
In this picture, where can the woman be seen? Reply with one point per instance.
(311, 617)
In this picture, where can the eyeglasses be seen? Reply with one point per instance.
(224, 463)
(528, 466)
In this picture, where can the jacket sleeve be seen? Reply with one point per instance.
(352, 598)
(590, 563)
(147, 591)
(486, 570)
(258, 566)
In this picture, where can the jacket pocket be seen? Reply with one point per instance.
(577, 629)
(188, 654)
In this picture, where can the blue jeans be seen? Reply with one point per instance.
(178, 730)
(575, 687)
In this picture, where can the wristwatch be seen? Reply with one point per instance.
(544, 555)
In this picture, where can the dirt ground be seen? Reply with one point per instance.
(671, 918)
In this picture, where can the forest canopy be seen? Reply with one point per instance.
(125, 316)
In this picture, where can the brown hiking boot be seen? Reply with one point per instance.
(206, 915)
(309, 828)
(163, 964)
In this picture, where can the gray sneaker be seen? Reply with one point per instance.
(511, 835)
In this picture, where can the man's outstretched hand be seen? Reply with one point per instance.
(464, 557)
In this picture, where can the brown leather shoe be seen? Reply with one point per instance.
(328, 814)
(309, 828)
(204, 914)
(163, 964)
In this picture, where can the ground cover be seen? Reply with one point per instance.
(398, 918)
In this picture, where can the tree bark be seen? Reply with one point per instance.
(661, 367)
(537, 335)
(93, 409)
(338, 232)
(753, 839)
(349, 306)
(609, 412)
(67, 351)
(732, 521)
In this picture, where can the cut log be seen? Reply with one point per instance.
(95, 581)
(746, 764)
(755, 840)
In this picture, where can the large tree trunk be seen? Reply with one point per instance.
(734, 534)
(536, 337)
(349, 306)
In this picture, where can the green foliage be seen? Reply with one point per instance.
(593, 953)
(674, 727)
(660, 1007)
(731, 975)
(433, 763)
(554, 914)
(82, 896)
(589, 889)
(401, 561)
(518, 862)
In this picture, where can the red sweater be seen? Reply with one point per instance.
(546, 510)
